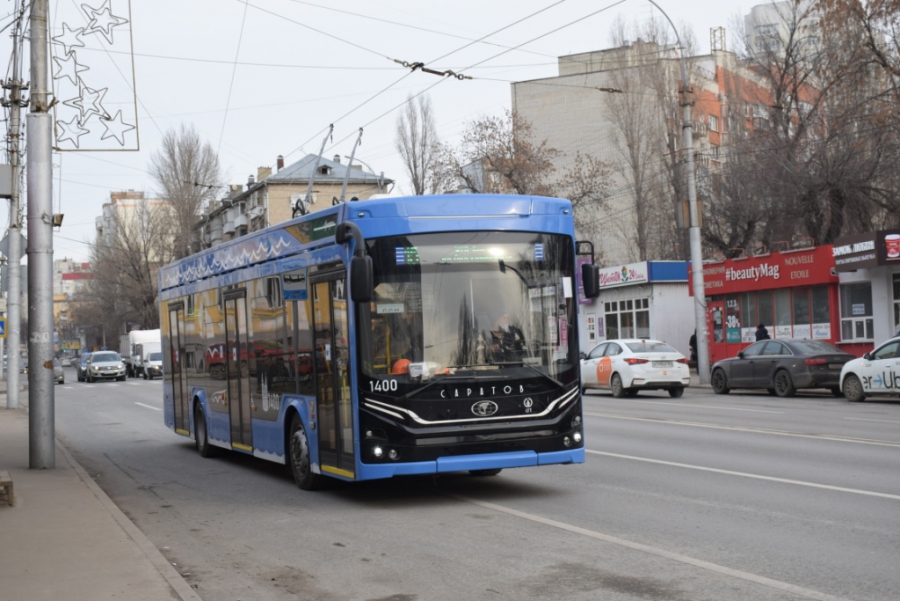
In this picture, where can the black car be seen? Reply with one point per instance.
(781, 367)
(81, 367)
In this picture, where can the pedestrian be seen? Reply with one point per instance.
(693, 345)
(762, 333)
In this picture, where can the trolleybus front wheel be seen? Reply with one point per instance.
(299, 461)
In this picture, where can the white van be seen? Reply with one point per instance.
(151, 365)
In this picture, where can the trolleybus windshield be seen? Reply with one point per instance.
(474, 305)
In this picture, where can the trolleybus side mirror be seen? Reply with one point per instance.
(590, 279)
(361, 279)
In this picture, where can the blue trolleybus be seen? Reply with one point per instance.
(418, 335)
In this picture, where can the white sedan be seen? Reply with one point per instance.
(874, 373)
(628, 366)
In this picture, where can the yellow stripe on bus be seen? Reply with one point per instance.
(337, 471)
(241, 447)
(180, 431)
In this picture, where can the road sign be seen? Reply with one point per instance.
(3, 327)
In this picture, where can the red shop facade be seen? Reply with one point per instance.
(793, 293)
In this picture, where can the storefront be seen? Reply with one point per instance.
(793, 293)
(640, 300)
(868, 267)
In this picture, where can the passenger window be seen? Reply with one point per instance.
(754, 349)
(888, 351)
(774, 348)
(613, 349)
(597, 352)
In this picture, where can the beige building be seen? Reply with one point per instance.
(270, 198)
(623, 106)
(127, 209)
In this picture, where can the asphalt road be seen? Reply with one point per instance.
(704, 497)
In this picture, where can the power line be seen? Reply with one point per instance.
(237, 53)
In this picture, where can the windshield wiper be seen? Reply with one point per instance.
(532, 368)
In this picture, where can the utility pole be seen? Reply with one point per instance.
(41, 401)
(14, 237)
(696, 249)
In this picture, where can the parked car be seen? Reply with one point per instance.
(875, 373)
(81, 367)
(626, 367)
(65, 362)
(105, 365)
(782, 367)
(59, 376)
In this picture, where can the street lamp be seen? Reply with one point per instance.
(696, 249)
(380, 177)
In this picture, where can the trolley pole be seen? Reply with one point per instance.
(14, 258)
(699, 289)
(42, 429)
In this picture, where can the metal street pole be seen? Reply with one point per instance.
(41, 413)
(14, 258)
(696, 249)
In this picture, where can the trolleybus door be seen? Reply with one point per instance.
(332, 342)
(237, 370)
(176, 355)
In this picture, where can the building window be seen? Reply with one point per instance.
(713, 123)
(628, 318)
(856, 312)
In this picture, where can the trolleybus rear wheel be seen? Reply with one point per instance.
(201, 436)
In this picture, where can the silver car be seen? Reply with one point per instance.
(105, 365)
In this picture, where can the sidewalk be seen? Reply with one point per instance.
(64, 538)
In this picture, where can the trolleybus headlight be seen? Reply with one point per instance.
(567, 441)
(392, 454)
(378, 452)
(577, 437)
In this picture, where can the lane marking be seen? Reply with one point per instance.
(148, 406)
(703, 406)
(714, 470)
(881, 443)
(880, 421)
(706, 565)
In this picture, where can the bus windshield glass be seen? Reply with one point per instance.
(474, 305)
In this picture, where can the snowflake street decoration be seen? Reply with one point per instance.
(93, 65)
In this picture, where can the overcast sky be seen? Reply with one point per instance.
(266, 77)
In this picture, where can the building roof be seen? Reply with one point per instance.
(303, 169)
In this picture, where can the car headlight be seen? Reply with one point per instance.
(120, 366)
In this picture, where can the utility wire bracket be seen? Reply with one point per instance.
(421, 67)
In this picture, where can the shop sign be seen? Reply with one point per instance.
(821, 331)
(806, 267)
(865, 251)
(633, 273)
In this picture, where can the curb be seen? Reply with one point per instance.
(162, 565)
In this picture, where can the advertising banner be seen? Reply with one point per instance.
(804, 267)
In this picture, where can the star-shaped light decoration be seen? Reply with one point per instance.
(89, 102)
(69, 39)
(71, 130)
(69, 68)
(102, 20)
(115, 128)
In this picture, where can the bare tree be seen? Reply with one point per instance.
(125, 260)
(187, 172)
(418, 144)
(498, 155)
